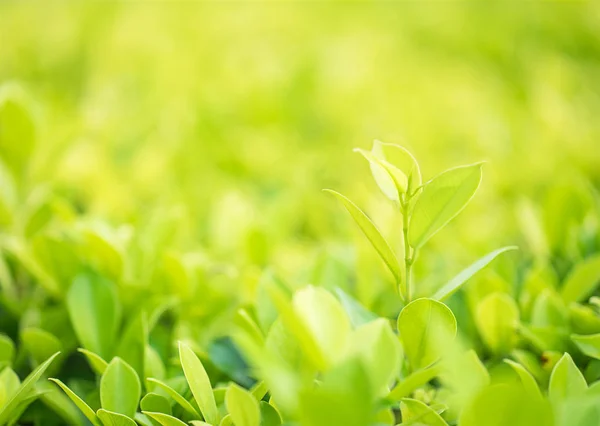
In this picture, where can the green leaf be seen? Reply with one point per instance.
(505, 404)
(242, 406)
(109, 418)
(164, 419)
(455, 283)
(40, 344)
(527, 380)
(343, 398)
(566, 381)
(589, 345)
(373, 235)
(132, 346)
(184, 403)
(7, 350)
(424, 325)
(549, 310)
(199, 383)
(402, 159)
(269, 416)
(17, 129)
(497, 319)
(93, 308)
(443, 197)
(582, 280)
(380, 351)
(323, 315)
(96, 362)
(24, 390)
(120, 388)
(392, 181)
(155, 403)
(417, 379)
(56, 400)
(416, 412)
(357, 313)
(80, 403)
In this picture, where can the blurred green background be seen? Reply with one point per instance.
(227, 119)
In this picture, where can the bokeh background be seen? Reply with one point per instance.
(224, 120)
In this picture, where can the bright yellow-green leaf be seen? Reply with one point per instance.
(582, 280)
(120, 388)
(442, 199)
(164, 419)
(372, 233)
(504, 405)
(589, 344)
(497, 319)
(527, 380)
(155, 403)
(96, 362)
(326, 320)
(24, 390)
(392, 181)
(380, 350)
(80, 403)
(424, 325)
(17, 129)
(199, 383)
(7, 350)
(184, 403)
(269, 416)
(110, 418)
(417, 379)
(455, 283)
(416, 412)
(566, 381)
(242, 406)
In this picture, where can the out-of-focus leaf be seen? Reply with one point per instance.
(380, 351)
(17, 129)
(505, 404)
(442, 199)
(527, 380)
(326, 320)
(582, 280)
(589, 345)
(132, 345)
(423, 326)
(7, 350)
(372, 233)
(242, 406)
(199, 383)
(342, 399)
(120, 388)
(357, 313)
(40, 344)
(497, 318)
(93, 308)
(455, 283)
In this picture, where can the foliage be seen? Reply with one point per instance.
(149, 283)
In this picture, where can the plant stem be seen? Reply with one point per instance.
(408, 256)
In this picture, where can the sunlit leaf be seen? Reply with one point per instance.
(372, 233)
(242, 406)
(120, 388)
(443, 197)
(199, 383)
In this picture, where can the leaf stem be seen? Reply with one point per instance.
(408, 254)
